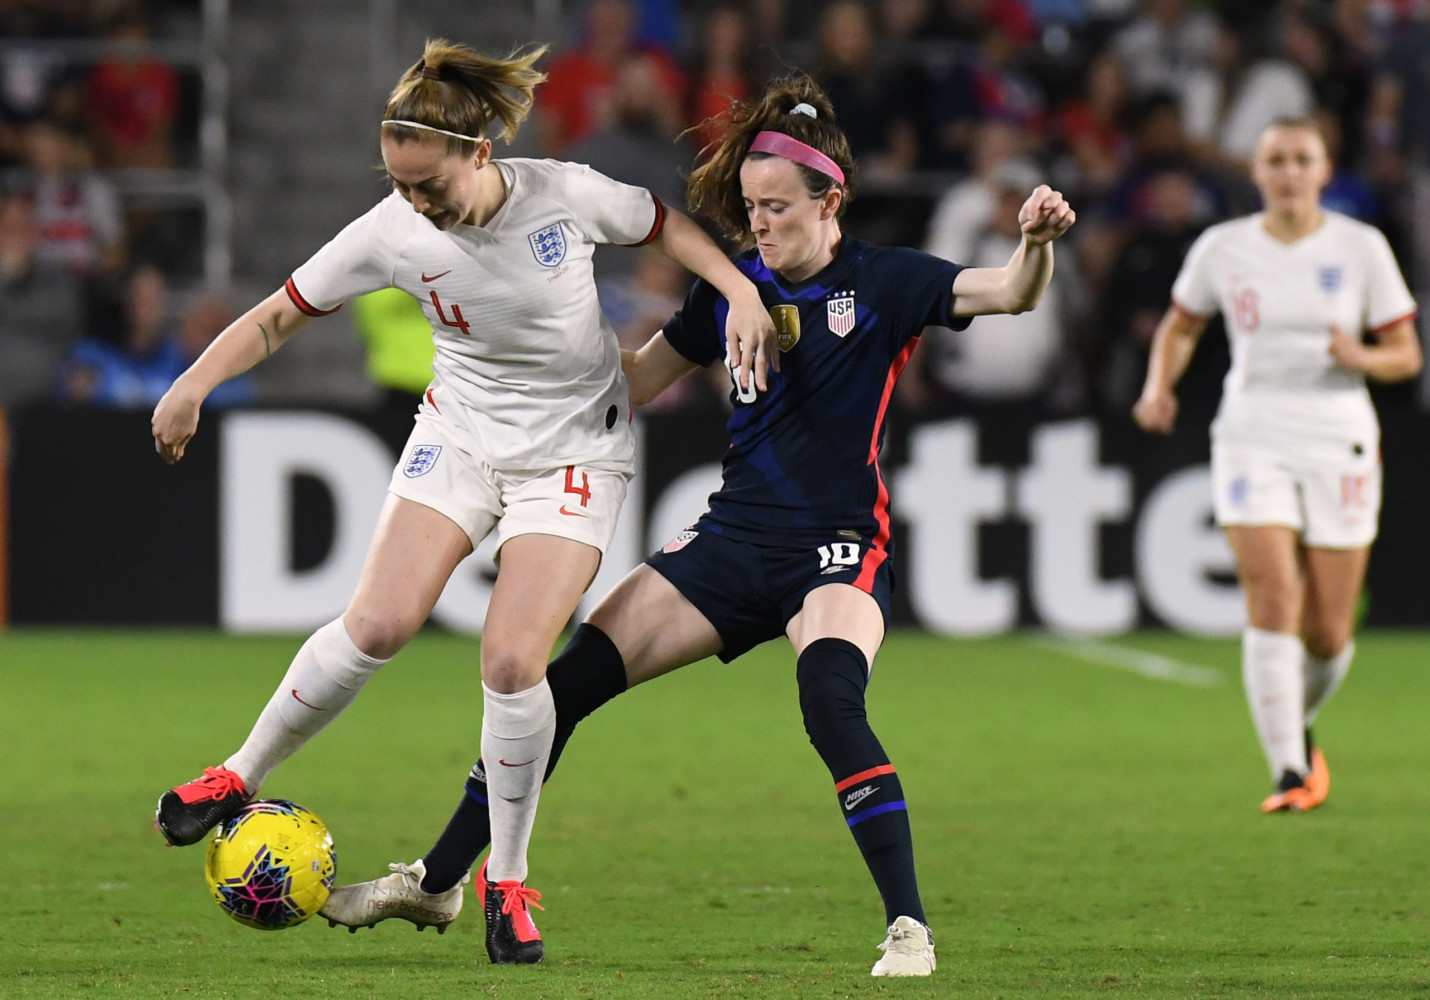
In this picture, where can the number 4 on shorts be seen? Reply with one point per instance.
(583, 491)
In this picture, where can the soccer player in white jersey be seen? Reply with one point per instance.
(524, 430)
(1295, 444)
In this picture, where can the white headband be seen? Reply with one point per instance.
(432, 128)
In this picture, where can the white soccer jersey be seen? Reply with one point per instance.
(1279, 302)
(521, 343)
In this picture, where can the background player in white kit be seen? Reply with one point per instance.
(525, 429)
(1295, 444)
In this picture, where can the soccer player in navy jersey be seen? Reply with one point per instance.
(797, 540)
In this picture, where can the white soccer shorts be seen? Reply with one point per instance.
(438, 471)
(1332, 504)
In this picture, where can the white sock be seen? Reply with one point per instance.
(516, 743)
(325, 677)
(1322, 677)
(1271, 671)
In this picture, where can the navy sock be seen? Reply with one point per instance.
(832, 676)
(588, 673)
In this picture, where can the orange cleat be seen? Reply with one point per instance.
(1297, 794)
(1318, 782)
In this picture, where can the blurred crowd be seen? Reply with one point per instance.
(98, 299)
(1143, 112)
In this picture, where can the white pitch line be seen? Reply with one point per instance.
(1105, 654)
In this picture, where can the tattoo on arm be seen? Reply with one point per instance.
(267, 347)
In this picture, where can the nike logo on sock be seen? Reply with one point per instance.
(435, 276)
(522, 764)
(302, 702)
(858, 795)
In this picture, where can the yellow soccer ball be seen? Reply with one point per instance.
(272, 865)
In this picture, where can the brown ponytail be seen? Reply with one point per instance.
(714, 189)
(458, 90)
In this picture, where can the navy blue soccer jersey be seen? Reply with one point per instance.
(803, 459)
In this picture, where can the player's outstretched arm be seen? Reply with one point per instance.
(1017, 286)
(1395, 355)
(1172, 346)
(754, 343)
(248, 340)
(654, 368)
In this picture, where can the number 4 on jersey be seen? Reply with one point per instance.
(456, 322)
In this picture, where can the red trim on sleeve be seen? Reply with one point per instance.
(1399, 319)
(302, 303)
(1188, 313)
(655, 226)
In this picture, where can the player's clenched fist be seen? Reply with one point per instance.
(1156, 412)
(1046, 215)
(175, 420)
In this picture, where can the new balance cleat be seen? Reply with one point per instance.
(1291, 795)
(512, 937)
(397, 895)
(908, 950)
(186, 814)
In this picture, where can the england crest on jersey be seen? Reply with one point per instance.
(548, 245)
(420, 462)
(840, 314)
(1329, 278)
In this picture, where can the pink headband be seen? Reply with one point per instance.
(787, 146)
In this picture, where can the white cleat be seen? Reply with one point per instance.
(397, 895)
(908, 950)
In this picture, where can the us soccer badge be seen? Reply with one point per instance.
(840, 310)
(786, 320)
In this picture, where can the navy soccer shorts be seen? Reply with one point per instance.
(749, 592)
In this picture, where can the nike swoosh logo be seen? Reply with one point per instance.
(435, 276)
(572, 513)
(522, 764)
(302, 702)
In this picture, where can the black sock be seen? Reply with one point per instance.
(588, 673)
(832, 676)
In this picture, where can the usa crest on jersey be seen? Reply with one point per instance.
(548, 245)
(421, 461)
(840, 314)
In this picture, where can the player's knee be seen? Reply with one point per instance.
(509, 668)
(831, 674)
(1326, 642)
(380, 634)
(1272, 604)
(588, 672)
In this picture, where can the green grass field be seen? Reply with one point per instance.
(1081, 830)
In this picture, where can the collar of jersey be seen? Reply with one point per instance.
(494, 224)
(848, 246)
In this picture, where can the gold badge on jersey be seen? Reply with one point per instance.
(786, 320)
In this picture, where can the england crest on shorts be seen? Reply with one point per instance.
(1329, 278)
(839, 313)
(421, 461)
(548, 245)
(1237, 489)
